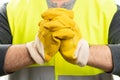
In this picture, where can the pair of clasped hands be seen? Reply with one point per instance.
(58, 32)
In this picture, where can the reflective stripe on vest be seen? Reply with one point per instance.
(92, 16)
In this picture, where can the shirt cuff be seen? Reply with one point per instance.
(3, 51)
(115, 51)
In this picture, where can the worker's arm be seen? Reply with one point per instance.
(100, 57)
(17, 57)
(12, 57)
(5, 37)
(108, 57)
(114, 42)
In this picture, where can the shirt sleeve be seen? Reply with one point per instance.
(5, 37)
(5, 33)
(114, 42)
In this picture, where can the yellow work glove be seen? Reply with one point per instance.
(58, 31)
(51, 29)
(54, 12)
(73, 48)
(45, 45)
(47, 40)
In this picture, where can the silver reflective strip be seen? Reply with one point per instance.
(47, 73)
(39, 73)
(97, 77)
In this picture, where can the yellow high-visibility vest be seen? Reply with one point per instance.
(92, 16)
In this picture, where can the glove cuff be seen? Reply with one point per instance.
(82, 53)
(34, 53)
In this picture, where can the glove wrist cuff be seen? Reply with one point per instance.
(34, 53)
(82, 53)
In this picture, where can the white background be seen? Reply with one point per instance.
(6, 77)
(117, 1)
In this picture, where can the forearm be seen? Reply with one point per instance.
(17, 57)
(100, 57)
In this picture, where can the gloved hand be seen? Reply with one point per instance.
(73, 48)
(61, 31)
(51, 29)
(47, 40)
(45, 45)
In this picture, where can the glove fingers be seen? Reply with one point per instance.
(53, 12)
(51, 45)
(59, 23)
(67, 51)
(68, 48)
(63, 34)
(53, 26)
(51, 50)
(65, 20)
